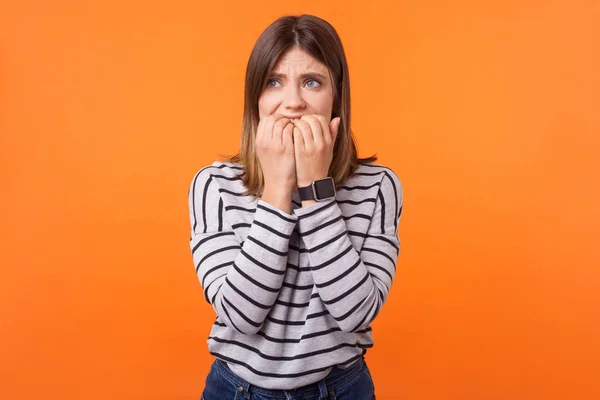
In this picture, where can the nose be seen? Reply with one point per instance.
(293, 98)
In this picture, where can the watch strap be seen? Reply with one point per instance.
(306, 193)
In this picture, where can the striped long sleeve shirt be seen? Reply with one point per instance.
(294, 294)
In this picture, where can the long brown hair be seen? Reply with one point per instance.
(319, 39)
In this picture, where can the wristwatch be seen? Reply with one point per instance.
(320, 190)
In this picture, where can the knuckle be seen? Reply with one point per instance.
(281, 123)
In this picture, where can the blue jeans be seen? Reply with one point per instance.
(352, 383)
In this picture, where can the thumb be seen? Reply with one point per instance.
(334, 126)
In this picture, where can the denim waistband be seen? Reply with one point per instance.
(335, 378)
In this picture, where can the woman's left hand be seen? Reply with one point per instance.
(314, 138)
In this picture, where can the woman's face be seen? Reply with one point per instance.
(298, 85)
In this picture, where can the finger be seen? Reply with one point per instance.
(334, 127)
(299, 144)
(324, 129)
(315, 127)
(288, 136)
(280, 124)
(270, 123)
(306, 132)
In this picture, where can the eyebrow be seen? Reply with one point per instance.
(302, 76)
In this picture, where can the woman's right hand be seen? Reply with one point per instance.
(275, 150)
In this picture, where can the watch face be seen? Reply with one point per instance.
(324, 188)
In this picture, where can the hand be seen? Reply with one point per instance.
(314, 138)
(275, 150)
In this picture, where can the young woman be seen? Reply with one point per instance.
(294, 239)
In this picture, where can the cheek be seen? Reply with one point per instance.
(323, 105)
(267, 104)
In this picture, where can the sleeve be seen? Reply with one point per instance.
(240, 280)
(354, 285)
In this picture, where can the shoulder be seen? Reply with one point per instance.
(219, 172)
(377, 173)
(390, 186)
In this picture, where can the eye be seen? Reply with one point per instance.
(313, 83)
(272, 83)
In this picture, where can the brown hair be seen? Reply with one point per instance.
(319, 39)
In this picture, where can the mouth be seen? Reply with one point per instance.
(293, 116)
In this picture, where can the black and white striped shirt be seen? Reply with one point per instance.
(294, 293)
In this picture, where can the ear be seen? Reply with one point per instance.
(334, 126)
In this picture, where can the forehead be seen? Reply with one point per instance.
(298, 59)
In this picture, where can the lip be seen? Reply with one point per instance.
(293, 116)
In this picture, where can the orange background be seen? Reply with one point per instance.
(488, 111)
